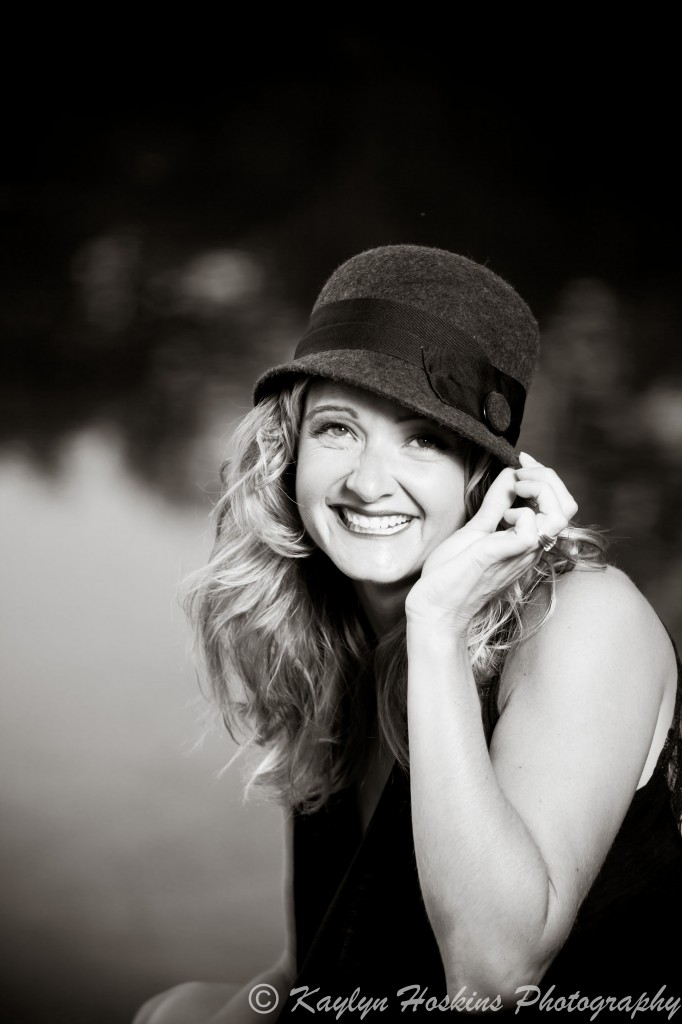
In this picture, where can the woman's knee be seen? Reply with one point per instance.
(192, 1000)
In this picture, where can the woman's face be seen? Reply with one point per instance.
(378, 486)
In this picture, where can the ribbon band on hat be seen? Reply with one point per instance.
(456, 366)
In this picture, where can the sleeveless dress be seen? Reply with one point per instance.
(361, 923)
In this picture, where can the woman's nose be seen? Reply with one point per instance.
(370, 476)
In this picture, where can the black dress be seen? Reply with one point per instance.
(361, 923)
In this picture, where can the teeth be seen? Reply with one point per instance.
(373, 524)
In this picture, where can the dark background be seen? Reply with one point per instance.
(167, 225)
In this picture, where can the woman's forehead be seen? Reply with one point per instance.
(323, 392)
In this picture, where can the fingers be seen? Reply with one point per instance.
(521, 538)
(553, 504)
(547, 501)
(498, 498)
(480, 559)
(531, 470)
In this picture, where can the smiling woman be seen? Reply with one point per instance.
(367, 472)
(472, 721)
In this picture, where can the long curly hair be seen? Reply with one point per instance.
(289, 655)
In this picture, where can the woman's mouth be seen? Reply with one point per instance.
(375, 525)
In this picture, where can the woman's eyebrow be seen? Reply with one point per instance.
(334, 408)
(407, 417)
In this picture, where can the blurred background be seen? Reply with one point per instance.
(165, 235)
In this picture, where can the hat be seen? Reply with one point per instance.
(431, 330)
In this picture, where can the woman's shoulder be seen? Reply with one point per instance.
(600, 674)
(600, 581)
(598, 618)
(607, 605)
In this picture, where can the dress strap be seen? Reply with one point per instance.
(673, 747)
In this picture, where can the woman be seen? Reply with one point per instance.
(473, 720)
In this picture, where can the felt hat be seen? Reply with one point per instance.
(433, 331)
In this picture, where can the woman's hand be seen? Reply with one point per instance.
(479, 561)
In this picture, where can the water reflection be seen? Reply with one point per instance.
(105, 273)
(611, 421)
(128, 865)
(158, 344)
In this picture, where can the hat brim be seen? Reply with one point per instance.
(390, 378)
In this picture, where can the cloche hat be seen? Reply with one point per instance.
(433, 331)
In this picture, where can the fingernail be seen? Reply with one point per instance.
(530, 458)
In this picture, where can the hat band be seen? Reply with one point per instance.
(456, 367)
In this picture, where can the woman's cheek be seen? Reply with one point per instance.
(309, 505)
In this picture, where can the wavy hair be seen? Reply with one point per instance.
(287, 650)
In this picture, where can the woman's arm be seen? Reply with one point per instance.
(197, 1002)
(508, 843)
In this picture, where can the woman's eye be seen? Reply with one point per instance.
(427, 441)
(335, 430)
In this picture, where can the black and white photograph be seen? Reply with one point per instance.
(341, 491)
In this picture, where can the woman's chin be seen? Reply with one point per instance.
(394, 576)
(383, 562)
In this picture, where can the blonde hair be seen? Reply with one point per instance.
(287, 650)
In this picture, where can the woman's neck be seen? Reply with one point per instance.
(383, 605)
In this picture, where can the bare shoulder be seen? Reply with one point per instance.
(600, 621)
(586, 701)
(609, 609)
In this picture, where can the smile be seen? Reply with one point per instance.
(374, 525)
